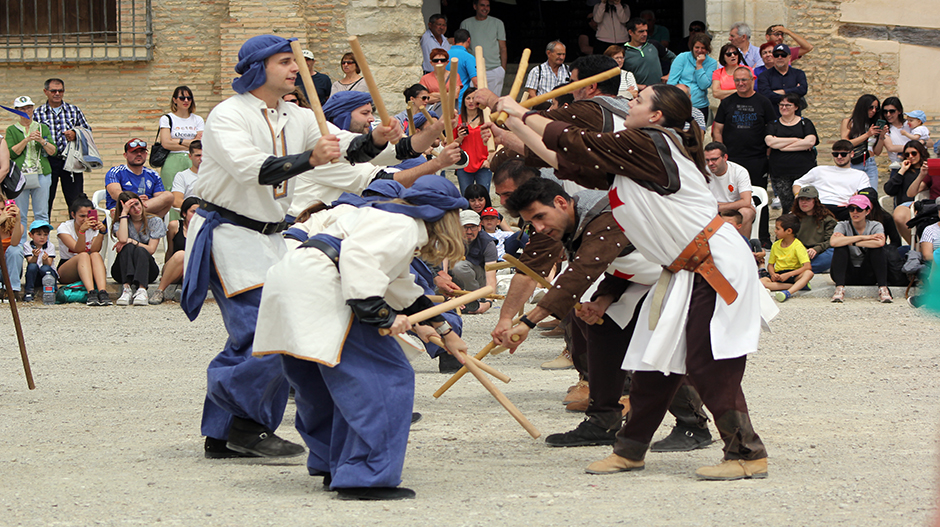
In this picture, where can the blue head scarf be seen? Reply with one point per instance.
(430, 197)
(383, 189)
(251, 59)
(338, 109)
(420, 119)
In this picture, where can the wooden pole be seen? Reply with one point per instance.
(411, 119)
(492, 347)
(431, 312)
(481, 83)
(485, 367)
(516, 83)
(568, 88)
(503, 400)
(314, 99)
(538, 278)
(11, 296)
(452, 90)
(440, 72)
(370, 82)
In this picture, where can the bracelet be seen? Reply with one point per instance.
(181, 141)
(124, 217)
(525, 320)
(527, 114)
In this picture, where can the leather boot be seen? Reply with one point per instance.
(613, 464)
(731, 469)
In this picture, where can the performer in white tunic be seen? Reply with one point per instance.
(704, 316)
(354, 389)
(253, 144)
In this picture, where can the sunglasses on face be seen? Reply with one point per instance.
(731, 54)
(840, 154)
(910, 154)
(853, 208)
(875, 107)
(137, 143)
(890, 110)
(786, 105)
(425, 97)
(347, 62)
(440, 60)
(56, 91)
(185, 97)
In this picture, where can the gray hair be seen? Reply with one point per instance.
(743, 29)
(551, 45)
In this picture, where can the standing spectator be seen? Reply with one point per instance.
(782, 79)
(489, 33)
(550, 74)
(429, 80)
(477, 169)
(135, 177)
(816, 227)
(775, 35)
(901, 180)
(835, 184)
(297, 97)
(894, 139)
(723, 83)
(177, 135)
(137, 238)
(610, 17)
(40, 255)
(867, 138)
(321, 81)
(628, 86)
(859, 252)
(80, 240)
(741, 123)
(767, 58)
(185, 181)
(175, 250)
(30, 146)
(433, 39)
(467, 67)
(792, 141)
(730, 184)
(685, 44)
(658, 33)
(695, 69)
(352, 80)
(61, 117)
(640, 56)
(740, 36)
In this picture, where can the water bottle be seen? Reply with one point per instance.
(48, 289)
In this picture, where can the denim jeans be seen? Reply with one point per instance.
(34, 274)
(14, 258)
(822, 262)
(480, 177)
(871, 168)
(40, 200)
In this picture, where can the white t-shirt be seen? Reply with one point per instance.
(897, 139)
(184, 182)
(185, 129)
(835, 185)
(921, 131)
(931, 235)
(49, 250)
(68, 227)
(728, 187)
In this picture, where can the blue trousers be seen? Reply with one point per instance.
(40, 198)
(15, 259)
(355, 417)
(871, 168)
(237, 383)
(822, 262)
(482, 177)
(34, 274)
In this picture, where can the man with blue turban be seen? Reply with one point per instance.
(254, 144)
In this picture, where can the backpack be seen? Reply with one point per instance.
(72, 293)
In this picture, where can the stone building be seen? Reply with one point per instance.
(121, 59)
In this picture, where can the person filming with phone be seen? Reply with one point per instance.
(80, 240)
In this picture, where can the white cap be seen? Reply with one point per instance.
(308, 54)
(22, 101)
(468, 217)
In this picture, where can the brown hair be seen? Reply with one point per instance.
(704, 39)
(613, 49)
(349, 56)
(728, 47)
(183, 90)
(301, 98)
(123, 198)
(676, 107)
(437, 52)
(820, 211)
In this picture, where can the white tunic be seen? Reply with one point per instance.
(661, 227)
(241, 134)
(326, 183)
(305, 286)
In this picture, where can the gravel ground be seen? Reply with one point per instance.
(846, 405)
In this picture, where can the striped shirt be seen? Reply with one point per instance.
(67, 117)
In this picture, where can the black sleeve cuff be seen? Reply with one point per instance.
(382, 175)
(373, 311)
(276, 170)
(404, 151)
(422, 303)
(362, 149)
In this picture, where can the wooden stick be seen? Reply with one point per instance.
(314, 100)
(492, 347)
(503, 400)
(439, 72)
(437, 299)
(516, 83)
(460, 292)
(11, 296)
(452, 90)
(524, 98)
(538, 279)
(370, 82)
(485, 367)
(568, 88)
(411, 119)
(496, 266)
(431, 312)
(482, 84)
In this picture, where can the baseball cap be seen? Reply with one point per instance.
(860, 202)
(489, 211)
(918, 114)
(23, 100)
(808, 191)
(308, 54)
(39, 224)
(782, 48)
(135, 144)
(468, 217)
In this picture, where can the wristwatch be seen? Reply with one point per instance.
(443, 329)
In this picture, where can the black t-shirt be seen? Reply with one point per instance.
(745, 123)
(792, 162)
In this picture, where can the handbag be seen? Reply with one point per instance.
(158, 153)
(32, 180)
(914, 262)
(72, 293)
(13, 184)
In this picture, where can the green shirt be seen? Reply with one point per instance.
(14, 136)
(486, 34)
(643, 62)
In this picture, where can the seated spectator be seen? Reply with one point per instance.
(859, 252)
(816, 227)
(901, 180)
(919, 132)
(11, 232)
(628, 86)
(489, 220)
(782, 79)
(925, 182)
(550, 74)
(930, 240)
(882, 216)
(789, 267)
(730, 184)
(40, 256)
(80, 240)
(471, 274)
(175, 249)
(837, 184)
(418, 96)
(137, 238)
(737, 221)
(137, 178)
(185, 181)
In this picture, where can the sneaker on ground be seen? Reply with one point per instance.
(28, 297)
(884, 295)
(157, 297)
(125, 297)
(92, 298)
(104, 299)
(561, 362)
(140, 298)
(775, 204)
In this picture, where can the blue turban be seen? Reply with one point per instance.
(430, 197)
(251, 59)
(338, 109)
(420, 119)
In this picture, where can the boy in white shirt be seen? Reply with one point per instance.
(40, 255)
(184, 181)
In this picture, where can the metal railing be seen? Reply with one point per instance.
(75, 30)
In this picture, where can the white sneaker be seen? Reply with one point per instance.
(140, 298)
(125, 297)
(775, 204)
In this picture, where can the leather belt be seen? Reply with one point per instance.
(697, 258)
(244, 221)
(326, 248)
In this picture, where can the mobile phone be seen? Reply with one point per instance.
(880, 123)
(93, 215)
(10, 202)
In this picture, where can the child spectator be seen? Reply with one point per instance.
(816, 227)
(859, 252)
(138, 236)
(11, 231)
(735, 218)
(919, 132)
(40, 255)
(489, 219)
(80, 258)
(788, 266)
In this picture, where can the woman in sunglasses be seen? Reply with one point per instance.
(914, 162)
(867, 138)
(894, 138)
(792, 140)
(177, 129)
(351, 80)
(418, 96)
(859, 255)
(730, 59)
(437, 56)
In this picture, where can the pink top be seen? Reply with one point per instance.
(727, 79)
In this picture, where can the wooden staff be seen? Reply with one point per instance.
(432, 312)
(524, 98)
(516, 83)
(538, 279)
(482, 84)
(492, 347)
(311, 89)
(496, 266)
(370, 82)
(437, 299)
(452, 90)
(460, 292)
(428, 117)
(411, 119)
(11, 296)
(434, 339)
(439, 72)
(568, 88)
